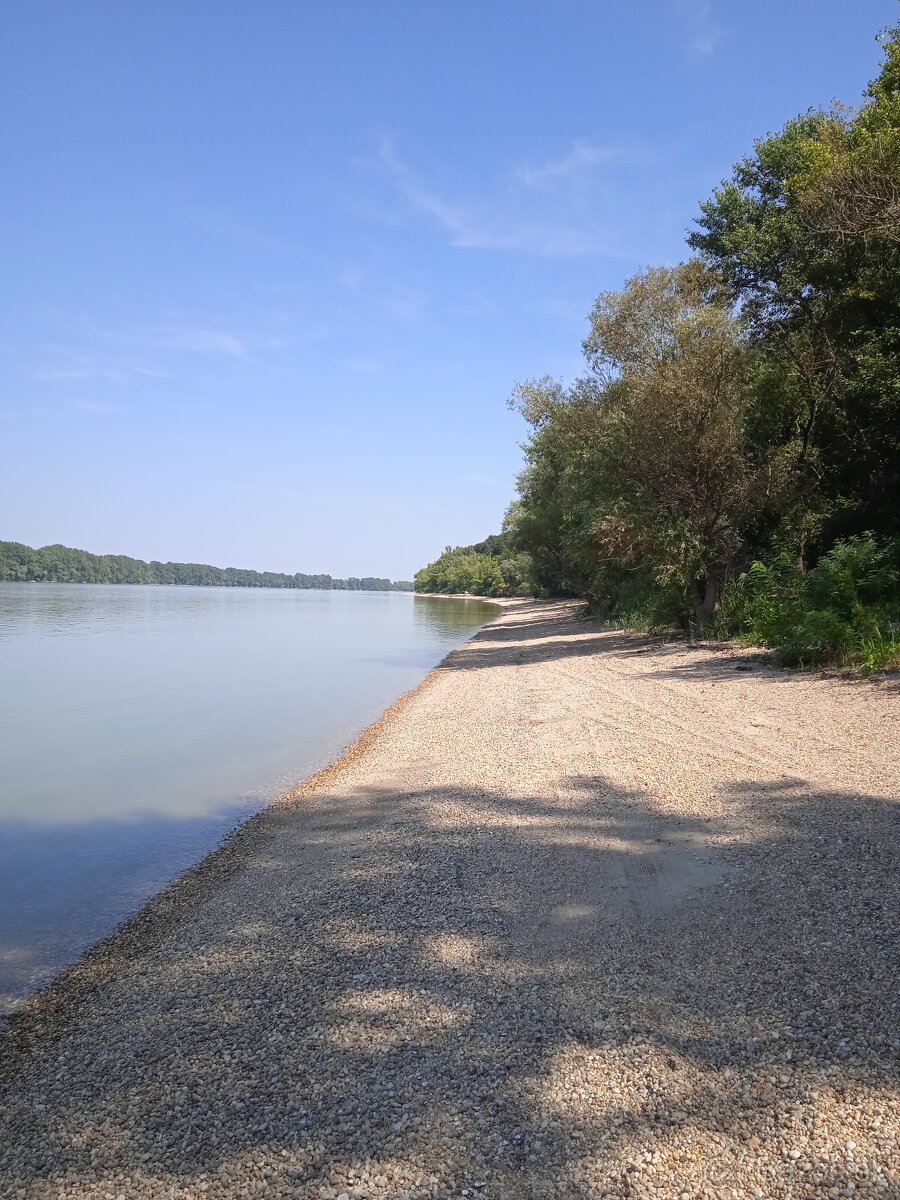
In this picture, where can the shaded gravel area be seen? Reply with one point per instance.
(584, 916)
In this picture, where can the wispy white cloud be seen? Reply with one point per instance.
(703, 32)
(404, 304)
(195, 340)
(65, 365)
(234, 228)
(80, 374)
(582, 157)
(96, 408)
(554, 231)
(422, 198)
(703, 44)
(92, 354)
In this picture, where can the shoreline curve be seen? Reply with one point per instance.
(46, 1011)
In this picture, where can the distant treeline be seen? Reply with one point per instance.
(62, 564)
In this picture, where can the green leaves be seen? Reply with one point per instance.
(806, 236)
(490, 568)
(638, 470)
(846, 611)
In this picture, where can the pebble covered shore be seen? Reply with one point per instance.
(585, 916)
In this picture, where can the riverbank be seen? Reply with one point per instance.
(583, 915)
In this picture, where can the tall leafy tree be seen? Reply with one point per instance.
(640, 467)
(806, 236)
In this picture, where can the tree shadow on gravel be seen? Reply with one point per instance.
(531, 1000)
(549, 639)
(729, 664)
(554, 638)
(560, 633)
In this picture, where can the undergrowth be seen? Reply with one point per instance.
(845, 612)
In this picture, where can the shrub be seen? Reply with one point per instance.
(648, 607)
(844, 612)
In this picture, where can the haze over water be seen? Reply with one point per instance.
(139, 724)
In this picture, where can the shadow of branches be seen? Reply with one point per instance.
(502, 1003)
(557, 633)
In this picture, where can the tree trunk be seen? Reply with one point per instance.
(703, 595)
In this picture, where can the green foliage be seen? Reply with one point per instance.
(845, 611)
(806, 238)
(489, 568)
(640, 604)
(640, 470)
(61, 564)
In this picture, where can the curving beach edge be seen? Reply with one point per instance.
(583, 915)
(42, 1014)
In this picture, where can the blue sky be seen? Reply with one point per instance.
(271, 270)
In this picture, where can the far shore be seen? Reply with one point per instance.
(585, 914)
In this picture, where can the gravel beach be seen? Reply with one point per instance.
(585, 915)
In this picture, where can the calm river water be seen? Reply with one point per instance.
(139, 724)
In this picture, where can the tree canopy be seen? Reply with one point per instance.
(806, 238)
(493, 567)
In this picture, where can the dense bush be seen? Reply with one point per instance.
(478, 572)
(845, 611)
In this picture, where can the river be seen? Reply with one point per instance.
(139, 724)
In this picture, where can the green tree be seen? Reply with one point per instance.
(806, 236)
(641, 468)
(472, 570)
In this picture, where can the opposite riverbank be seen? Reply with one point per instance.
(583, 915)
